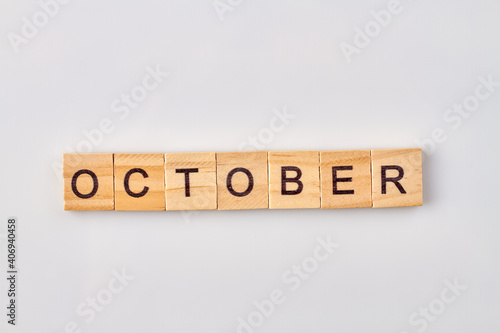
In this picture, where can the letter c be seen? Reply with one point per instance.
(126, 183)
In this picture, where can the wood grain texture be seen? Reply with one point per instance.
(202, 190)
(152, 183)
(285, 194)
(256, 164)
(99, 164)
(353, 185)
(398, 163)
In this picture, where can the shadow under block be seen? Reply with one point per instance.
(88, 182)
(397, 177)
(139, 182)
(346, 180)
(242, 180)
(191, 181)
(294, 179)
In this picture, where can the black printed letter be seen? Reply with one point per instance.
(127, 178)
(295, 179)
(230, 179)
(186, 173)
(338, 180)
(94, 180)
(395, 180)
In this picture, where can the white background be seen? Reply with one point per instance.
(200, 272)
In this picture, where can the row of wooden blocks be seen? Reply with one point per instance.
(243, 180)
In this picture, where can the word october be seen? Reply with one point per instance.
(243, 180)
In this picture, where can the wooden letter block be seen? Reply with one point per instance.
(397, 177)
(88, 182)
(346, 179)
(242, 180)
(191, 181)
(294, 179)
(139, 182)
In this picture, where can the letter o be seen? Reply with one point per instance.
(259, 319)
(436, 306)
(43, 16)
(94, 180)
(229, 182)
(310, 264)
(370, 31)
(471, 103)
(139, 94)
(107, 299)
(266, 135)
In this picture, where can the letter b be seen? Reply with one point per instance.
(51, 7)
(285, 179)
(266, 307)
(383, 17)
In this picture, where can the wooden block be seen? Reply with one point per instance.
(88, 182)
(346, 180)
(294, 179)
(139, 182)
(191, 181)
(242, 180)
(396, 177)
